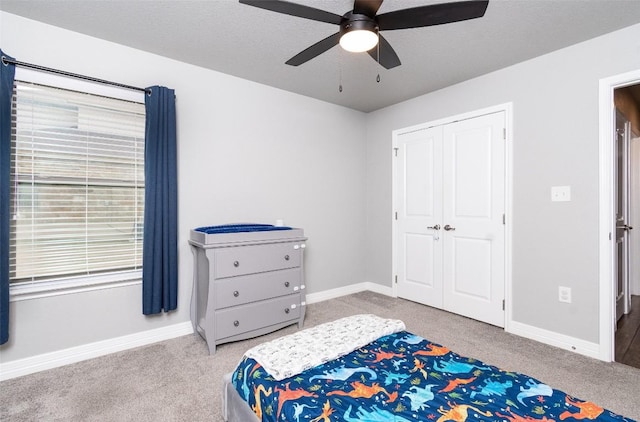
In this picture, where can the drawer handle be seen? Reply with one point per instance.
(236, 323)
(236, 264)
(236, 293)
(286, 284)
(287, 310)
(286, 257)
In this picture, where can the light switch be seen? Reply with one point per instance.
(560, 193)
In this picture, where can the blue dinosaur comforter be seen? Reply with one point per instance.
(403, 377)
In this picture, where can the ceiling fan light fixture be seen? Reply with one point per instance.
(359, 40)
(358, 33)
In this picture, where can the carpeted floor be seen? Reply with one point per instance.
(176, 380)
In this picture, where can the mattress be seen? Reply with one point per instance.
(401, 377)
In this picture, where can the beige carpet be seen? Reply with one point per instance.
(176, 380)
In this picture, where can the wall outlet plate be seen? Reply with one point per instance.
(561, 193)
(564, 294)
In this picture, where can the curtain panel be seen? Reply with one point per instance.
(7, 74)
(160, 244)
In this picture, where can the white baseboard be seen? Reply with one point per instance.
(347, 290)
(30, 365)
(555, 339)
(59, 358)
(71, 355)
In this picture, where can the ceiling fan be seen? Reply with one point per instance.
(359, 28)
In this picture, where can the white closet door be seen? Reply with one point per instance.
(473, 201)
(419, 181)
(450, 183)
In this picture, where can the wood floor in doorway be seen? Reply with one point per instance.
(628, 336)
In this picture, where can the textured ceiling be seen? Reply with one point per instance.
(254, 44)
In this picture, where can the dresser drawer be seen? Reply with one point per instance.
(240, 260)
(252, 316)
(250, 288)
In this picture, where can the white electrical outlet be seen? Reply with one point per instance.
(560, 193)
(564, 294)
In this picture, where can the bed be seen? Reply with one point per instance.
(366, 368)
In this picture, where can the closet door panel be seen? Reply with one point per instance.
(419, 186)
(473, 209)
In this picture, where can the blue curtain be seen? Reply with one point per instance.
(7, 73)
(160, 245)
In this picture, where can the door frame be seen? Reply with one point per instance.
(507, 108)
(626, 193)
(607, 317)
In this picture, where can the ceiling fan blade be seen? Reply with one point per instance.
(366, 7)
(388, 57)
(434, 14)
(295, 9)
(315, 50)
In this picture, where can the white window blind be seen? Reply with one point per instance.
(77, 181)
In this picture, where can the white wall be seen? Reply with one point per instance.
(247, 153)
(555, 127)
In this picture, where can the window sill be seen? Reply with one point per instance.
(42, 289)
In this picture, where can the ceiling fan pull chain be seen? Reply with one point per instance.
(340, 72)
(378, 47)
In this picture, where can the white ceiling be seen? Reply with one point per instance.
(254, 44)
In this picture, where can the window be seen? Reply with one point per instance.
(77, 181)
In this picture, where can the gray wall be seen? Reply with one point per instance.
(247, 153)
(555, 142)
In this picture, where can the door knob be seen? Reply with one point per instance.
(449, 228)
(436, 227)
(624, 227)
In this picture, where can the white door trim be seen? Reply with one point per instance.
(606, 223)
(507, 108)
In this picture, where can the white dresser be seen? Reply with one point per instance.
(246, 284)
